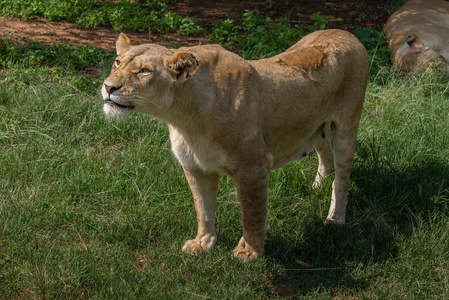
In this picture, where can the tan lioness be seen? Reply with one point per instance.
(418, 34)
(244, 118)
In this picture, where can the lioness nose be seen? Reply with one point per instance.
(110, 89)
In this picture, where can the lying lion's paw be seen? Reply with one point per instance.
(242, 251)
(200, 245)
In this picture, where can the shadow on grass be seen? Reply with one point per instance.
(332, 257)
(386, 201)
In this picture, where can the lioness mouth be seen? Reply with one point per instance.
(119, 105)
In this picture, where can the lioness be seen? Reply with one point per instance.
(418, 34)
(244, 118)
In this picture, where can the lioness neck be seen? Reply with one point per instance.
(186, 111)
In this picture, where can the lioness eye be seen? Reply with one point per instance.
(117, 63)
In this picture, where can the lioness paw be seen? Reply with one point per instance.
(200, 245)
(244, 252)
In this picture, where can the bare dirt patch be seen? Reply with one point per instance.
(43, 31)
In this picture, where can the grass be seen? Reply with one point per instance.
(99, 210)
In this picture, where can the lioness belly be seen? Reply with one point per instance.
(300, 151)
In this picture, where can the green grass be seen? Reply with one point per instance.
(97, 210)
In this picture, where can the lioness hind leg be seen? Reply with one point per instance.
(344, 144)
(204, 189)
(325, 153)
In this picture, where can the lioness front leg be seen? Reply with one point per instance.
(252, 190)
(204, 189)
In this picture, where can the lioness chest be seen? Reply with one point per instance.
(198, 151)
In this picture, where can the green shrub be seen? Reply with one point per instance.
(151, 15)
(377, 47)
(257, 36)
(320, 22)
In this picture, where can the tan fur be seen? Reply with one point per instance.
(244, 118)
(308, 59)
(418, 34)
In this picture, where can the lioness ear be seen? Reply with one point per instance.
(182, 65)
(122, 44)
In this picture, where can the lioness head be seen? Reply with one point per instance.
(143, 77)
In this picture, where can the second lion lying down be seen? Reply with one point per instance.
(244, 118)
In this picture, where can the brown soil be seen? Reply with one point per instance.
(342, 14)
